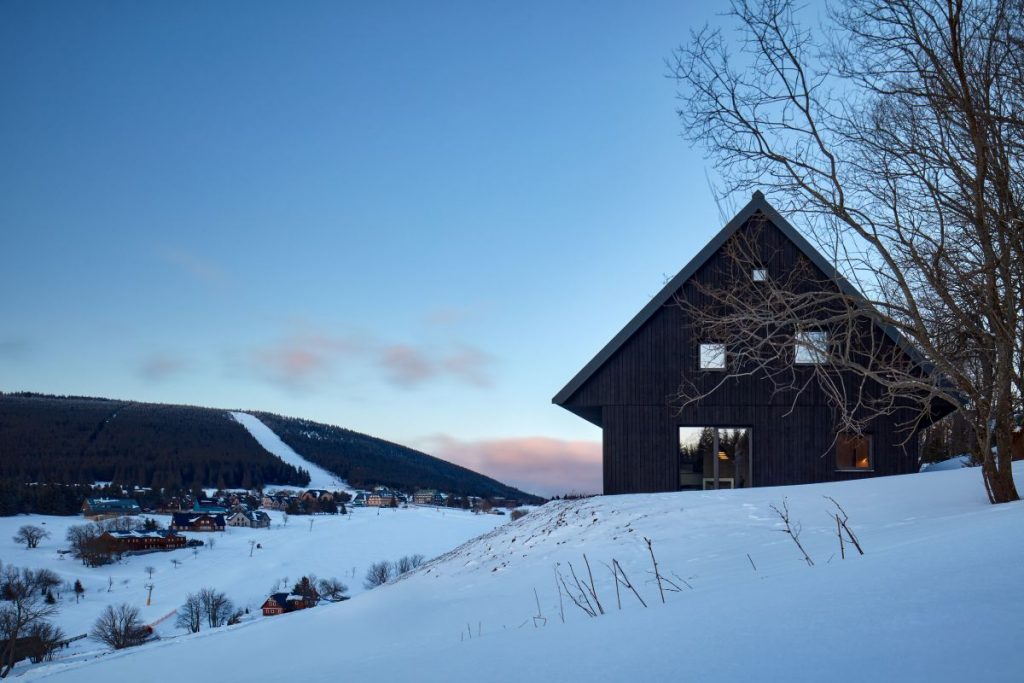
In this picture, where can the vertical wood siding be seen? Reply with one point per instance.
(634, 393)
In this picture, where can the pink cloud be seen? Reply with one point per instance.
(161, 367)
(536, 464)
(405, 366)
(304, 358)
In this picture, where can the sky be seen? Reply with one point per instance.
(415, 220)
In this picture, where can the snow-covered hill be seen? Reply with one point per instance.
(935, 597)
(319, 478)
(341, 546)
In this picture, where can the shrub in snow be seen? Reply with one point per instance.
(120, 626)
(378, 574)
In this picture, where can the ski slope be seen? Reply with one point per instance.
(940, 563)
(319, 478)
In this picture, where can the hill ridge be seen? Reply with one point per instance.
(81, 440)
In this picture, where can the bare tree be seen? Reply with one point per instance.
(149, 571)
(190, 615)
(216, 607)
(123, 523)
(378, 574)
(31, 535)
(23, 609)
(48, 637)
(120, 626)
(332, 590)
(896, 134)
(407, 563)
(45, 580)
(87, 545)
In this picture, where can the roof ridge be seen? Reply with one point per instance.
(757, 203)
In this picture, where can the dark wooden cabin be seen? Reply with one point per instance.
(740, 435)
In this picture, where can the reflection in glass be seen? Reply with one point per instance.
(714, 458)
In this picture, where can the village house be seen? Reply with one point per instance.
(740, 432)
(254, 520)
(382, 498)
(428, 497)
(317, 496)
(189, 521)
(279, 501)
(282, 603)
(106, 508)
(142, 541)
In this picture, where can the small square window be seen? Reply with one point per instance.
(811, 347)
(712, 356)
(853, 452)
(759, 275)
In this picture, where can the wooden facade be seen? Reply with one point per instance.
(142, 541)
(628, 389)
(187, 521)
(282, 603)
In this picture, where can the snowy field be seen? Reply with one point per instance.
(936, 597)
(341, 546)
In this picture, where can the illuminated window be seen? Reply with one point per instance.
(811, 347)
(853, 452)
(759, 275)
(712, 356)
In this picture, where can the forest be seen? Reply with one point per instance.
(365, 461)
(75, 440)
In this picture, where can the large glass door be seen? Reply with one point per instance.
(714, 458)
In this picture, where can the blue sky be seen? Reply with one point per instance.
(414, 220)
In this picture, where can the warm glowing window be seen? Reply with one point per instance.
(712, 356)
(811, 347)
(853, 452)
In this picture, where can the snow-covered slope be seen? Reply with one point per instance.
(319, 478)
(939, 562)
(341, 546)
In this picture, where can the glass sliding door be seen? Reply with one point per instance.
(714, 458)
(696, 444)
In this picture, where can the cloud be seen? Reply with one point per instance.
(160, 367)
(406, 366)
(536, 464)
(302, 360)
(193, 265)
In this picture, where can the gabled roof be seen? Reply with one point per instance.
(757, 204)
(113, 503)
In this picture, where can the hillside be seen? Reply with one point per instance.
(75, 440)
(934, 597)
(341, 546)
(364, 460)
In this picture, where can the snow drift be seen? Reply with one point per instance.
(938, 560)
